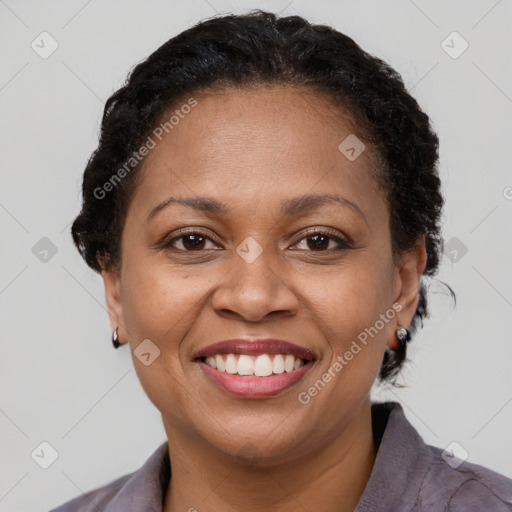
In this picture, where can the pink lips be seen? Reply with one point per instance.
(252, 386)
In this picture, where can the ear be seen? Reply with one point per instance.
(406, 285)
(112, 283)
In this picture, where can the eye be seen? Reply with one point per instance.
(318, 240)
(322, 240)
(192, 241)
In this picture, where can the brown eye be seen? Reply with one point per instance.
(323, 241)
(189, 242)
(318, 242)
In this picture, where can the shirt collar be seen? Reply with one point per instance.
(399, 468)
(145, 489)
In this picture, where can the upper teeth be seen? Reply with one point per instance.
(260, 366)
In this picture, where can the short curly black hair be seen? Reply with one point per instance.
(261, 48)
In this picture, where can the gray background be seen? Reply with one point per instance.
(61, 380)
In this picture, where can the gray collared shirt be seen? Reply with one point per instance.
(408, 476)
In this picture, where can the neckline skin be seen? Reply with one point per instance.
(253, 150)
(333, 478)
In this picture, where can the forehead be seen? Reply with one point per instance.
(257, 144)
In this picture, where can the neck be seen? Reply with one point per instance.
(331, 478)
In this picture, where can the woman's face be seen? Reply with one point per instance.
(254, 268)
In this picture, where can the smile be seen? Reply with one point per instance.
(254, 368)
(263, 365)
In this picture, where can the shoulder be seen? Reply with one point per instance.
(462, 486)
(137, 491)
(94, 500)
(412, 476)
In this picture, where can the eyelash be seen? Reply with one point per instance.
(343, 243)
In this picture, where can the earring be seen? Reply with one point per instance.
(115, 339)
(403, 336)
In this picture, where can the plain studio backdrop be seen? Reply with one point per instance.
(62, 383)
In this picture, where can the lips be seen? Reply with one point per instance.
(255, 368)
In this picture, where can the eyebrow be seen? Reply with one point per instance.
(289, 207)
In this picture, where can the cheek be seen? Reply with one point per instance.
(351, 303)
(348, 310)
(159, 302)
(350, 299)
(160, 305)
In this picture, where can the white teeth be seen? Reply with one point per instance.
(263, 365)
(231, 364)
(288, 363)
(221, 365)
(278, 364)
(245, 365)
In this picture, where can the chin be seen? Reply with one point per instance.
(257, 448)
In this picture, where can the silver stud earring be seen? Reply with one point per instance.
(403, 335)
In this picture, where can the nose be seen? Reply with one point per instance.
(253, 290)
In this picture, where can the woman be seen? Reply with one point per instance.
(262, 206)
